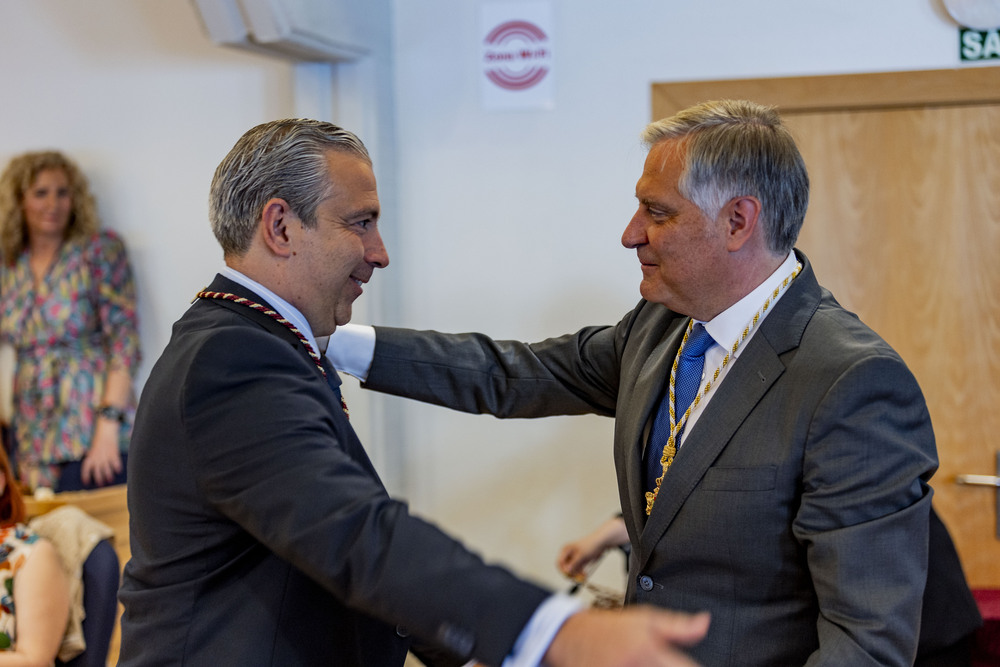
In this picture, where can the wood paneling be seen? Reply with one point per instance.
(976, 85)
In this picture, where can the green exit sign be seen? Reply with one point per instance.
(979, 44)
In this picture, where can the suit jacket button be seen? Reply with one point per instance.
(456, 639)
(402, 631)
(646, 583)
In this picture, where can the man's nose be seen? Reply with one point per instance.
(375, 252)
(635, 232)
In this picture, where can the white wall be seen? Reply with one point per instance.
(505, 222)
(139, 96)
(510, 221)
(147, 106)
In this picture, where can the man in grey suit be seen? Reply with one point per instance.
(260, 532)
(791, 498)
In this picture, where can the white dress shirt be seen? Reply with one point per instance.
(727, 327)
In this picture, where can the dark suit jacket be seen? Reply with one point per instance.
(261, 534)
(796, 510)
(950, 613)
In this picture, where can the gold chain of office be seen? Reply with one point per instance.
(276, 316)
(670, 449)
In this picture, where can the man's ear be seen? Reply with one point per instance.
(274, 222)
(742, 215)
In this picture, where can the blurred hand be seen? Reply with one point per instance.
(103, 460)
(637, 636)
(575, 557)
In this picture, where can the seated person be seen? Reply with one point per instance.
(34, 597)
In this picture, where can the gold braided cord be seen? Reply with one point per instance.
(670, 449)
(276, 316)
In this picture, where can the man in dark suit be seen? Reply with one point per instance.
(791, 498)
(260, 532)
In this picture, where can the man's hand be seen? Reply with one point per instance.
(632, 637)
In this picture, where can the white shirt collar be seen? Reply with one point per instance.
(727, 327)
(285, 309)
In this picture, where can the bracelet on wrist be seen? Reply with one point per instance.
(111, 412)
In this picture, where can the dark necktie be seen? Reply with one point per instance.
(334, 381)
(690, 365)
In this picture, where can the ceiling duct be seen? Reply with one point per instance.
(302, 30)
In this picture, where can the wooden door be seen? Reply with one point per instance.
(904, 228)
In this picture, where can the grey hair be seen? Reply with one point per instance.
(282, 158)
(738, 148)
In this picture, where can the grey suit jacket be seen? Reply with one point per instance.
(797, 509)
(260, 532)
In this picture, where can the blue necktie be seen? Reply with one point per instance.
(690, 365)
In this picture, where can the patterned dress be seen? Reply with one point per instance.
(69, 333)
(16, 543)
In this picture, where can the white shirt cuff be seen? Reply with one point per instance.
(537, 635)
(351, 349)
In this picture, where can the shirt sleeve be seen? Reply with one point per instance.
(537, 635)
(351, 349)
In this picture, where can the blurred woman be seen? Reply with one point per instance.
(34, 592)
(67, 304)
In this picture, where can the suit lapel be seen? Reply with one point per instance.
(756, 369)
(643, 401)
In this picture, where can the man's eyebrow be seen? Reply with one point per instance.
(658, 206)
(366, 212)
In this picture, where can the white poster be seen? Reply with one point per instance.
(517, 55)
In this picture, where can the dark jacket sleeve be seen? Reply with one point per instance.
(271, 450)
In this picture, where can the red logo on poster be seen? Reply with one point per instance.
(517, 55)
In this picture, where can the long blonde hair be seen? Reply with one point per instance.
(17, 178)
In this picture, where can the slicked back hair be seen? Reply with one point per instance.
(284, 159)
